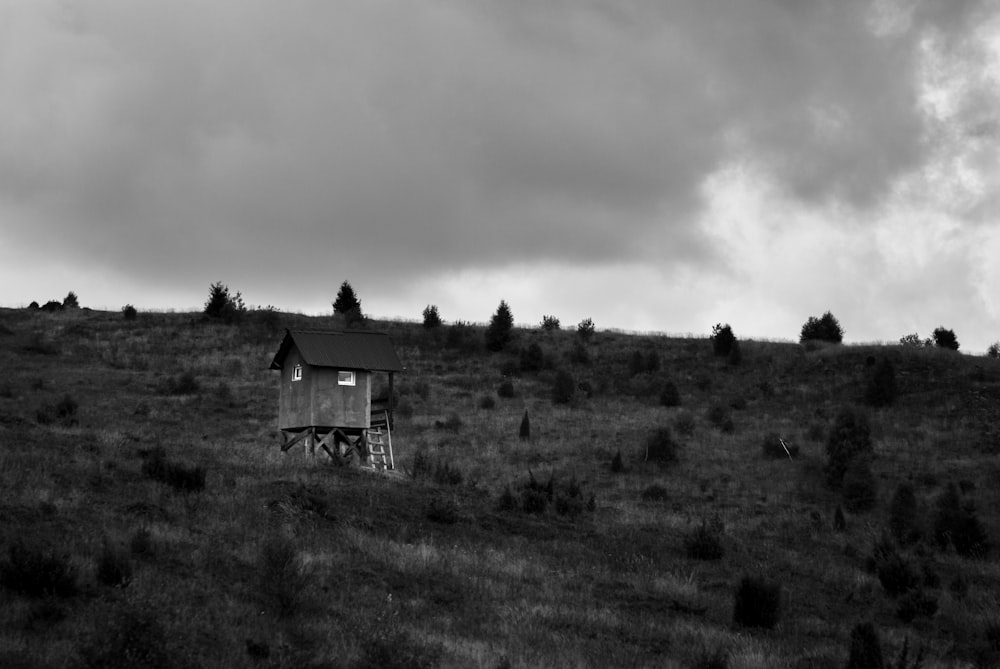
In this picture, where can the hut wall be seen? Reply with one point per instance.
(295, 397)
(340, 406)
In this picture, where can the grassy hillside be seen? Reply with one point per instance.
(149, 518)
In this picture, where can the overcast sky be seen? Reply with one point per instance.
(651, 165)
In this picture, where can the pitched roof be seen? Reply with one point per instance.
(344, 350)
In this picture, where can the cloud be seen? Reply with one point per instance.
(285, 145)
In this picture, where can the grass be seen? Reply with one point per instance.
(191, 538)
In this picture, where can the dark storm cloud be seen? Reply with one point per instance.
(277, 141)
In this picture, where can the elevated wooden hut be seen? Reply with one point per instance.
(326, 394)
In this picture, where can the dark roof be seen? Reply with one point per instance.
(343, 350)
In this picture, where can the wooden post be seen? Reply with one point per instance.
(391, 401)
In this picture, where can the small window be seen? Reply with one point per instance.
(297, 373)
(345, 378)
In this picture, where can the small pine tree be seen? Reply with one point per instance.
(859, 487)
(881, 390)
(617, 465)
(839, 521)
(850, 436)
(994, 350)
(129, 313)
(669, 395)
(501, 327)
(824, 328)
(222, 305)
(903, 521)
(722, 339)
(585, 330)
(432, 319)
(346, 300)
(757, 603)
(71, 301)
(550, 323)
(958, 524)
(564, 387)
(524, 432)
(944, 338)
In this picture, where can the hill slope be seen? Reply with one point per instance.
(147, 508)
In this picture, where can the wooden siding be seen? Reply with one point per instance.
(318, 400)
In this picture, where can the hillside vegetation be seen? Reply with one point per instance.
(660, 506)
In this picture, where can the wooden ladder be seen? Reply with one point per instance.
(380, 444)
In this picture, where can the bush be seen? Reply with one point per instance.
(718, 415)
(661, 447)
(550, 323)
(849, 437)
(893, 570)
(114, 566)
(757, 603)
(507, 500)
(534, 501)
(500, 330)
(958, 525)
(461, 336)
(578, 354)
(994, 350)
(723, 340)
(684, 423)
(129, 639)
(945, 339)
(705, 541)
(859, 487)
(532, 358)
(129, 313)
(524, 432)
(839, 521)
(881, 388)
(636, 363)
(442, 510)
(669, 395)
(617, 466)
(903, 522)
(825, 328)
(506, 389)
(866, 649)
(916, 603)
(180, 477)
(487, 402)
(563, 388)
(35, 573)
(654, 493)
(282, 578)
(585, 330)
(396, 650)
(432, 319)
(446, 473)
(71, 301)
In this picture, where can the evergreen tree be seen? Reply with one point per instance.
(824, 328)
(945, 338)
(346, 300)
(431, 317)
(722, 339)
(500, 330)
(71, 301)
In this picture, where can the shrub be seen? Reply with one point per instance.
(550, 323)
(839, 521)
(866, 649)
(945, 339)
(461, 336)
(654, 493)
(916, 603)
(669, 395)
(524, 432)
(718, 415)
(422, 466)
(716, 658)
(958, 524)
(578, 354)
(487, 402)
(180, 477)
(532, 358)
(52, 306)
(141, 542)
(446, 473)
(757, 603)
(859, 487)
(705, 541)
(636, 363)
(849, 437)
(71, 301)
(881, 388)
(397, 650)
(893, 570)
(994, 350)
(506, 389)
(661, 447)
(722, 339)
(442, 510)
(35, 573)
(735, 357)
(824, 328)
(911, 340)
(507, 500)
(774, 447)
(129, 313)
(684, 423)
(114, 566)
(617, 466)
(128, 639)
(432, 319)
(282, 578)
(903, 521)
(534, 501)
(563, 388)
(500, 330)
(585, 330)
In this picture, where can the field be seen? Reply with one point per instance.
(149, 518)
